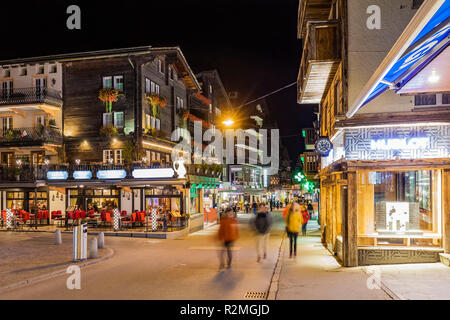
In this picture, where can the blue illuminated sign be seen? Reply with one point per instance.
(82, 175)
(57, 175)
(153, 173)
(111, 174)
(431, 40)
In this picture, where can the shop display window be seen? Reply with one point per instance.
(398, 208)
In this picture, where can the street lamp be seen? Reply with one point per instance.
(228, 122)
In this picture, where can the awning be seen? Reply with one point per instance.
(424, 38)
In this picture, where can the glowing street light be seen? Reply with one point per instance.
(228, 122)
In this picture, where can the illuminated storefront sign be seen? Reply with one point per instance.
(153, 173)
(111, 174)
(57, 175)
(384, 143)
(82, 175)
(398, 144)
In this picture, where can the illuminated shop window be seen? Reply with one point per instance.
(399, 208)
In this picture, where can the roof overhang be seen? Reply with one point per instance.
(425, 37)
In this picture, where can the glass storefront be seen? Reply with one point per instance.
(163, 200)
(94, 199)
(21, 200)
(399, 208)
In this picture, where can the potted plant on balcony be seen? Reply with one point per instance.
(108, 96)
(108, 130)
(157, 102)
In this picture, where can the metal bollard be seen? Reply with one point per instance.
(101, 240)
(93, 248)
(58, 239)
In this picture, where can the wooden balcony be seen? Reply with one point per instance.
(311, 164)
(312, 10)
(320, 60)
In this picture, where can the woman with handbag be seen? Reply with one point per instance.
(294, 220)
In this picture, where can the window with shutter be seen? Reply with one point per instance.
(108, 156)
(118, 156)
(107, 82)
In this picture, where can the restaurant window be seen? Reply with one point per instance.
(41, 200)
(118, 120)
(15, 200)
(446, 98)
(425, 100)
(398, 208)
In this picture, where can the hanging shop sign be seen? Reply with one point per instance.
(153, 173)
(57, 175)
(82, 175)
(111, 174)
(323, 146)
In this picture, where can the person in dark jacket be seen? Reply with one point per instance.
(254, 207)
(261, 225)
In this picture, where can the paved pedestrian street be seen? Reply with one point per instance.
(187, 268)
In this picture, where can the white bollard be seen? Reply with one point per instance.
(101, 240)
(93, 248)
(58, 239)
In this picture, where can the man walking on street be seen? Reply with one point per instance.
(228, 233)
(254, 207)
(262, 224)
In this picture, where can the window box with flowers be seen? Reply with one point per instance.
(108, 131)
(157, 102)
(108, 96)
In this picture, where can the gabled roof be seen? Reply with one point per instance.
(187, 75)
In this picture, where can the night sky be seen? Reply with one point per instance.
(252, 43)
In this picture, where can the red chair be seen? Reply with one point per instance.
(83, 214)
(131, 221)
(59, 213)
(91, 213)
(53, 214)
(70, 215)
(123, 213)
(46, 215)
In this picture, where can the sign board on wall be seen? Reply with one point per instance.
(414, 142)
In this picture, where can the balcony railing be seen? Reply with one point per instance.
(30, 95)
(30, 136)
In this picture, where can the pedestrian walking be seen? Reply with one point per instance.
(228, 233)
(254, 207)
(293, 224)
(271, 205)
(310, 210)
(305, 216)
(247, 207)
(261, 224)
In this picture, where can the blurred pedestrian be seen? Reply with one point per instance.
(254, 207)
(310, 209)
(228, 233)
(262, 224)
(293, 224)
(247, 206)
(305, 216)
(271, 205)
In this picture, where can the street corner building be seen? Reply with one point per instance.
(383, 91)
(86, 137)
